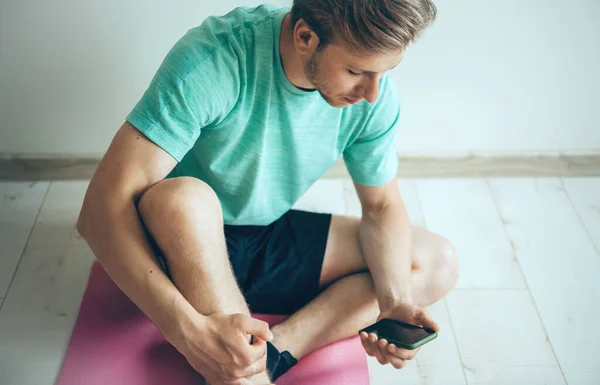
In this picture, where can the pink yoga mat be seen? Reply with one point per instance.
(114, 343)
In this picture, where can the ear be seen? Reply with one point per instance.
(305, 40)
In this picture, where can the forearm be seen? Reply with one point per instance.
(116, 236)
(385, 240)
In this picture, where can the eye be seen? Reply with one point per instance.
(353, 73)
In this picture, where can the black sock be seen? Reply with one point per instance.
(278, 362)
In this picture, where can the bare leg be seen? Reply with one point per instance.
(339, 312)
(185, 219)
(350, 303)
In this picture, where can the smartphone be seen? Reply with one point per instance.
(401, 334)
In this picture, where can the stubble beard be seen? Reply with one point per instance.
(311, 70)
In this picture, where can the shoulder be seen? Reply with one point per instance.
(226, 35)
(219, 29)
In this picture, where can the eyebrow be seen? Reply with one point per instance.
(372, 73)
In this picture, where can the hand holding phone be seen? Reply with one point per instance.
(401, 334)
(398, 334)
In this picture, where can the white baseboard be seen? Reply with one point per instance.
(20, 167)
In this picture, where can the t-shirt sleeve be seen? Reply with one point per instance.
(196, 86)
(371, 158)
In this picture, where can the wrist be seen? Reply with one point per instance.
(184, 322)
(390, 302)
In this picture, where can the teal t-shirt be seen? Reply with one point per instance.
(222, 106)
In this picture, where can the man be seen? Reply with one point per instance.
(190, 211)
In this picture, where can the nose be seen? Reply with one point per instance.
(370, 89)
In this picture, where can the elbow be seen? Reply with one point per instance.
(381, 209)
(98, 212)
(391, 213)
(83, 222)
(90, 212)
(80, 226)
(375, 210)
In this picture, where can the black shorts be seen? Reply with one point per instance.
(278, 266)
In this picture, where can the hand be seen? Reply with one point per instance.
(218, 347)
(390, 353)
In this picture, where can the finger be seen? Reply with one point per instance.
(370, 347)
(250, 371)
(259, 343)
(257, 328)
(396, 362)
(386, 350)
(382, 344)
(383, 348)
(389, 357)
(424, 319)
(401, 353)
(254, 368)
(410, 354)
(375, 350)
(372, 342)
(258, 350)
(373, 338)
(380, 356)
(261, 364)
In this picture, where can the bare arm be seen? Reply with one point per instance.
(110, 224)
(217, 345)
(385, 238)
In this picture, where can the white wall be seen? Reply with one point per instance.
(504, 76)
(490, 76)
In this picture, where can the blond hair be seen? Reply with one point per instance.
(373, 26)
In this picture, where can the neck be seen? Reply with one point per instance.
(293, 65)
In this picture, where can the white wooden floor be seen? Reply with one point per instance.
(526, 309)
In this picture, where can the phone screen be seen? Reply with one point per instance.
(399, 331)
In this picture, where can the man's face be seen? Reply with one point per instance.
(343, 77)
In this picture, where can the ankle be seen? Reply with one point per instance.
(280, 340)
(278, 336)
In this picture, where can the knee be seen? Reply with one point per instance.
(170, 199)
(447, 266)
